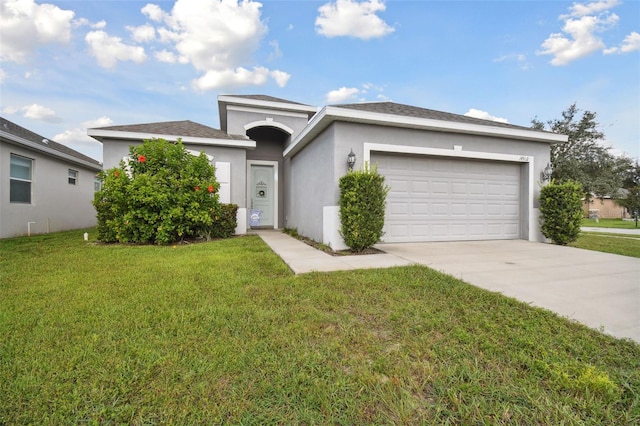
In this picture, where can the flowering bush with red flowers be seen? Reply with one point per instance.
(157, 199)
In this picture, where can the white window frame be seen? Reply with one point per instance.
(97, 183)
(29, 181)
(72, 177)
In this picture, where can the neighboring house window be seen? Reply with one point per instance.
(20, 179)
(97, 184)
(73, 177)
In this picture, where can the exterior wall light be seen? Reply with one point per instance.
(351, 159)
(545, 175)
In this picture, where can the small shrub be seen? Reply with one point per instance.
(362, 205)
(163, 194)
(225, 221)
(561, 211)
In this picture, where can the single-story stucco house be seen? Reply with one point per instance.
(452, 177)
(44, 186)
(605, 206)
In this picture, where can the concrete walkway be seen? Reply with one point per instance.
(600, 290)
(611, 230)
(302, 258)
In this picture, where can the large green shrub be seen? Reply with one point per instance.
(561, 211)
(362, 204)
(163, 194)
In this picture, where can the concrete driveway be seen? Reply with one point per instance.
(597, 289)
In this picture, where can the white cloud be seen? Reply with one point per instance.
(78, 139)
(165, 56)
(143, 33)
(38, 112)
(582, 40)
(154, 12)
(109, 50)
(342, 94)
(25, 25)
(78, 135)
(579, 36)
(580, 9)
(276, 53)
(3, 76)
(352, 18)
(102, 24)
(238, 77)
(281, 77)
(217, 38)
(10, 109)
(477, 113)
(629, 44)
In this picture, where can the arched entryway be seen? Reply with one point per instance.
(265, 174)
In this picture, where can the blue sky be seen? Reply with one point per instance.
(68, 65)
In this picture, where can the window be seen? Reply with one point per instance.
(20, 179)
(73, 177)
(97, 184)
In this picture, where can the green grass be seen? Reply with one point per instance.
(222, 332)
(610, 223)
(623, 244)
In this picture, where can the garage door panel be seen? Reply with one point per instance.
(418, 208)
(420, 186)
(438, 199)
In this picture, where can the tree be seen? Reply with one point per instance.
(631, 202)
(584, 158)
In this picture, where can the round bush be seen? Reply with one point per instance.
(161, 195)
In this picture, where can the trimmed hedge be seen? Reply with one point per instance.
(561, 211)
(162, 195)
(362, 205)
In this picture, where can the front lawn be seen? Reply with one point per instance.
(222, 332)
(623, 244)
(610, 223)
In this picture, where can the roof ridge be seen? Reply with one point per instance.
(413, 111)
(31, 136)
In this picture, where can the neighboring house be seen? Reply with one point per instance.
(452, 177)
(44, 186)
(605, 207)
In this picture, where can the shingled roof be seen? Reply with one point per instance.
(417, 112)
(175, 128)
(26, 134)
(268, 99)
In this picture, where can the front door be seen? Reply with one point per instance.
(262, 193)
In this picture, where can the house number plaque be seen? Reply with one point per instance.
(261, 190)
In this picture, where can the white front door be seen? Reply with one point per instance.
(263, 194)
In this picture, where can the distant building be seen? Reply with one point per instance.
(604, 207)
(44, 186)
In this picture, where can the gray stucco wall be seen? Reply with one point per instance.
(353, 135)
(55, 204)
(316, 170)
(314, 184)
(115, 150)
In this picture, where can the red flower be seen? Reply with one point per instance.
(211, 188)
(197, 188)
(116, 173)
(142, 158)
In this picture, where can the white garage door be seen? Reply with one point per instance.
(436, 199)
